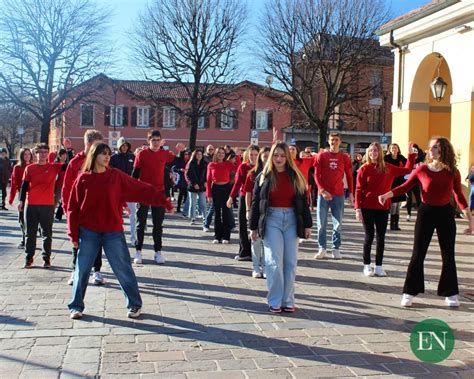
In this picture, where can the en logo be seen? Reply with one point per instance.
(432, 340)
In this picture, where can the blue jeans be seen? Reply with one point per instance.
(281, 247)
(471, 199)
(199, 199)
(208, 217)
(337, 211)
(116, 250)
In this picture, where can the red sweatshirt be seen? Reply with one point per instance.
(16, 180)
(329, 172)
(219, 172)
(436, 187)
(72, 172)
(97, 200)
(371, 183)
(240, 177)
(152, 166)
(42, 179)
(304, 165)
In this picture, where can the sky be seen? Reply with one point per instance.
(125, 13)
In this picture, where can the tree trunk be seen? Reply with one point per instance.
(45, 131)
(323, 130)
(193, 132)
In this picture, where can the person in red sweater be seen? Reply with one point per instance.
(37, 192)
(250, 159)
(25, 158)
(61, 158)
(330, 167)
(149, 167)
(95, 219)
(374, 178)
(73, 170)
(218, 188)
(439, 179)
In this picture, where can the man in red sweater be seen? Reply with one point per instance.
(149, 167)
(330, 168)
(74, 168)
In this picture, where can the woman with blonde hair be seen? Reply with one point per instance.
(374, 178)
(280, 215)
(439, 179)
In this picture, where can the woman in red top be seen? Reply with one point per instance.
(95, 219)
(25, 158)
(373, 179)
(439, 178)
(250, 158)
(218, 188)
(61, 158)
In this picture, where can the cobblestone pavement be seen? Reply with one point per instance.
(206, 317)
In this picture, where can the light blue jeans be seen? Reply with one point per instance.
(337, 212)
(281, 247)
(258, 256)
(116, 250)
(133, 221)
(199, 199)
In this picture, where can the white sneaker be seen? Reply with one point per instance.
(71, 279)
(205, 229)
(215, 241)
(159, 258)
(192, 221)
(452, 301)
(321, 254)
(408, 218)
(379, 271)
(264, 276)
(138, 258)
(225, 242)
(75, 315)
(98, 279)
(407, 300)
(134, 312)
(257, 274)
(368, 270)
(301, 240)
(336, 254)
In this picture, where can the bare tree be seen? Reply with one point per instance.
(193, 44)
(328, 44)
(45, 45)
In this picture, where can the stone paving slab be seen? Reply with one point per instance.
(205, 317)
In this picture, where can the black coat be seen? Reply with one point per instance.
(123, 162)
(260, 205)
(399, 180)
(196, 174)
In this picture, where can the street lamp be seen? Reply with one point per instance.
(438, 85)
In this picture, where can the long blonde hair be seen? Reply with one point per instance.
(246, 154)
(380, 163)
(270, 173)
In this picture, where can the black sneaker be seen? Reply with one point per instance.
(21, 245)
(28, 263)
(134, 312)
(4, 208)
(47, 264)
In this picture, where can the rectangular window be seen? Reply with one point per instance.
(87, 115)
(227, 119)
(169, 117)
(116, 115)
(376, 84)
(374, 119)
(143, 117)
(201, 122)
(262, 120)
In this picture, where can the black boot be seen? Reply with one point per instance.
(395, 219)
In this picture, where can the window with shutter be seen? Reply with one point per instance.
(169, 117)
(227, 119)
(143, 117)
(116, 113)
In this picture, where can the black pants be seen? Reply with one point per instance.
(244, 248)
(59, 212)
(97, 262)
(428, 219)
(41, 215)
(183, 194)
(374, 220)
(158, 215)
(220, 194)
(4, 193)
(416, 192)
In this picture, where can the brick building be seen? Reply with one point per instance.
(124, 108)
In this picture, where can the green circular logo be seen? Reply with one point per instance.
(432, 340)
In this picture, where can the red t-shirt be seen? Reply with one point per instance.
(42, 179)
(97, 200)
(250, 182)
(283, 196)
(72, 172)
(218, 172)
(371, 183)
(152, 166)
(329, 172)
(436, 187)
(240, 178)
(16, 180)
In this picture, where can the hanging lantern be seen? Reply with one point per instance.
(438, 85)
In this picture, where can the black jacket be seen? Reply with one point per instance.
(196, 174)
(399, 180)
(260, 205)
(123, 162)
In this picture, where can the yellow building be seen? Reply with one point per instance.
(436, 40)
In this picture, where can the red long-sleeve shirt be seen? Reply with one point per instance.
(152, 166)
(218, 172)
(72, 172)
(371, 183)
(250, 182)
(16, 180)
(329, 172)
(240, 177)
(283, 196)
(436, 187)
(42, 179)
(304, 165)
(97, 200)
